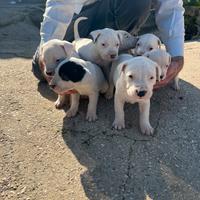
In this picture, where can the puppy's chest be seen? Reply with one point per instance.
(84, 89)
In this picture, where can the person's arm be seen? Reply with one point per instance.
(170, 23)
(57, 17)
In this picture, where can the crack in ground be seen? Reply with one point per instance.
(127, 174)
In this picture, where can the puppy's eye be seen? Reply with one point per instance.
(167, 66)
(103, 44)
(138, 44)
(117, 44)
(58, 60)
(151, 78)
(130, 76)
(150, 49)
(126, 36)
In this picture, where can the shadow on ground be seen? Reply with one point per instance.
(125, 164)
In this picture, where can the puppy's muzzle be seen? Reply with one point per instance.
(52, 86)
(49, 73)
(141, 93)
(113, 56)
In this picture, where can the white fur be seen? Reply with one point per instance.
(162, 58)
(104, 46)
(145, 43)
(92, 83)
(53, 51)
(130, 76)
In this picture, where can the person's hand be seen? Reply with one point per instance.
(173, 70)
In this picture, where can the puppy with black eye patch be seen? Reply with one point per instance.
(77, 77)
(133, 79)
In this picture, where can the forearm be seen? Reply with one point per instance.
(170, 22)
(57, 17)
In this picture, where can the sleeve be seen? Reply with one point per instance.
(57, 17)
(170, 23)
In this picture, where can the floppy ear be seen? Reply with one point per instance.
(121, 34)
(122, 67)
(158, 72)
(159, 43)
(68, 47)
(170, 59)
(95, 35)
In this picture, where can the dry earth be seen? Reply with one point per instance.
(46, 156)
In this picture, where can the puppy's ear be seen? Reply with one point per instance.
(159, 43)
(68, 47)
(123, 67)
(170, 59)
(95, 35)
(158, 72)
(121, 34)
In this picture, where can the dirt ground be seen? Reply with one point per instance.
(45, 156)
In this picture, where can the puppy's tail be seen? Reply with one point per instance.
(76, 33)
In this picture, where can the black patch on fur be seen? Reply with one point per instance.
(71, 71)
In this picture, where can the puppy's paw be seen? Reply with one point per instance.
(118, 125)
(109, 95)
(71, 113)
(91, 117)
(176, 86)
(59, 104)
(146, 129)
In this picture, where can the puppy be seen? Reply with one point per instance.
(82, 77)
(134, 79)
(145, 43)
(104, 46)
(162, 58)
(52, 52)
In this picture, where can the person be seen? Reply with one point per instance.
(128, 15)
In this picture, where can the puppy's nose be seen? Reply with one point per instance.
(141, 93)
(113, 56)
(49, 73)
(52, 86)
(161, 77)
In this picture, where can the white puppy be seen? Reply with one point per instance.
(52, 52)
(134, 79)
(162, 58)
(104, 46)
(145, 43)
(85, 78)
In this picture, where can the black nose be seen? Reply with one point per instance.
(161, 77)
(113, 56)
(52, 86)
(141, 93)
(49, 73)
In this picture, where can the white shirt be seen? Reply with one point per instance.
(169, 20)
